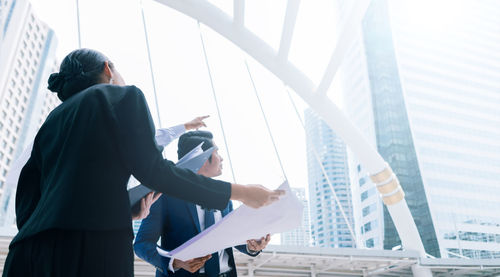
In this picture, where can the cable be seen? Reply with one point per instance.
(78, 23)
(150, 65)
(216, 101)
(265, 120)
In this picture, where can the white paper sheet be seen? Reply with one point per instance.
(242, 224)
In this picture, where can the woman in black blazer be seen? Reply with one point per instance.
(72, 206)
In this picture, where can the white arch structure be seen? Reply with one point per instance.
(278, 63)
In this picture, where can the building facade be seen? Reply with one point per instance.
(300, 236)
(329, 228)
(27, 52)
(423, 88)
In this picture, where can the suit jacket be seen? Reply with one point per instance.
(175, 222)
(82, 159)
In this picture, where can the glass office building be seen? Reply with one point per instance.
(429, 89)
(328, 226)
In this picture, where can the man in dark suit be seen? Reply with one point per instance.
(176, 221)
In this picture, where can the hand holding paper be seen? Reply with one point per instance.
(258, 245)
(255, 196)
(192, 265)
(145, 205)
(242, 224)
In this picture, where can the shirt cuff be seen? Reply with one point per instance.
(164, 136)
(251, 252)
(171, 265)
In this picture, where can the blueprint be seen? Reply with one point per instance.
(243, 224)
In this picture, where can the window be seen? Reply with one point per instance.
(370, 243)
(367, 227)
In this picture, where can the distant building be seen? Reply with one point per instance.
(302, 235)
(328, 227)
(27, 55)
(428, 100)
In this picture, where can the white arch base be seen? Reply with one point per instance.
(277, 62)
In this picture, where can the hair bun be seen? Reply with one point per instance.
(56, 82)
(72, 69)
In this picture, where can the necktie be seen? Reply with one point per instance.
(212, 265)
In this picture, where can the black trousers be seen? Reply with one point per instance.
(58, 253)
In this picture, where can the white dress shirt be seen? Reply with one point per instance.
(165, 136)
(223, 256)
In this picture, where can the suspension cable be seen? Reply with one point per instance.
(318, 159)
(78, 23)
(265, 120)
(216, 101)
(150, 64)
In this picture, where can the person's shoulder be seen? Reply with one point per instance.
(115, 94)
(103, 88)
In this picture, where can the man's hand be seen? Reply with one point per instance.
(146, 203)
(254, 196)
(196, 123)
(258, 245)
(192, 265)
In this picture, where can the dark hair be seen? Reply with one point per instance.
(79, 70)
(190, 140)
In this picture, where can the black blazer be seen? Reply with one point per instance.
(82, 159)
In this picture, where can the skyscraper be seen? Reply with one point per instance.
(328, 226)
(27, 52)
(424, 91)
(300, 236)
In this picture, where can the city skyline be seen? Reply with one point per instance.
(431, 103)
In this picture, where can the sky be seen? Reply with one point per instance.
(115, 28)
(183, 83)
(184, 91)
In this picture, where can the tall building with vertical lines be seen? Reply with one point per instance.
(424, 87)
(300, 236)
(328, 227)
(27, 55)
